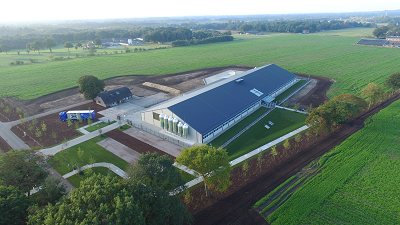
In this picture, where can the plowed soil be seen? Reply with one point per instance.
(53, 123)
(235, 207)
(4, 146)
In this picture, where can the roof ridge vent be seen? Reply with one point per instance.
(239, 80)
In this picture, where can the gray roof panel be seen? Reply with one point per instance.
(204, 110)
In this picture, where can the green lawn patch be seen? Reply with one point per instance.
(223, 138)
(98, 126)
(90, 148)
(124, 127)
(186, 176)
(284, 122)
(76, 179)
(289, 90)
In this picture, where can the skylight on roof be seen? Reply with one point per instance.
(256, 92)
(117, 92)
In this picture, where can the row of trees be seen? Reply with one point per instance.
(345, 106)
(201, 41)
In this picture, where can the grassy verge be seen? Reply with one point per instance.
(97, 126)
(220, 140)
(90, 149)
(257, 136)
(76, 179)
(186, 176)
(269, 195)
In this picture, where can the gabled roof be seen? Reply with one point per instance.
(205, 108)
(115, 95)
(376, 42)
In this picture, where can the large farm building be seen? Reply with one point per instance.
(203, 114)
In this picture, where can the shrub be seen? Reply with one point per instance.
(33, 60)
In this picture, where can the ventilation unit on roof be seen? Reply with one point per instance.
(239, 80)
(117, 92)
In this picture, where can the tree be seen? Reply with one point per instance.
(36, 46)
(106, 200)
(90, 86)
(352, 99)
(378, 32)
(97, 42)
(209, 163)
(5, 48)
(49, 43)
(286, 144)
(92, 50)
(98, 200)
(373, 93)
(393, 81)
(273, 151)
(68, 45)
(78, 45)
(13, 205)
(23, 169)
(51, 191)
(157, 172)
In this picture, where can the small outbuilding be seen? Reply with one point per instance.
(374, 42)
(113, 97)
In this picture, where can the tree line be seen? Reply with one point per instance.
(202, 41)
(390, 30)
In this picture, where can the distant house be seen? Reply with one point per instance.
(113, 97)
(252, 32)
(306, 31)
(394, 40)
(374, 42)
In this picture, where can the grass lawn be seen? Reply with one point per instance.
(290, 90)
(186, 176)
(349, 32)
(335, 57)
(223, 138)
(98, 126)
(257, 136)
(90, 149)
(76, 179)
(124, 127)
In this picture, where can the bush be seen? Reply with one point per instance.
(33, 60)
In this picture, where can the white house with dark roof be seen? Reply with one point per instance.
(113, 97)
(204, 113)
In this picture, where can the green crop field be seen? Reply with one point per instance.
(329, 56)
(357, 182)
(349, 32)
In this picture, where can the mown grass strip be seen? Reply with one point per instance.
(269, 195)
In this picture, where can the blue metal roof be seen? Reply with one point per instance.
(207, 110)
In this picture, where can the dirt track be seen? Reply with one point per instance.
(236, 208)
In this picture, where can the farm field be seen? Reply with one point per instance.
(356, 183)
(349, 32)
(335, 57)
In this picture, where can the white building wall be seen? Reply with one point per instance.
(148, 118)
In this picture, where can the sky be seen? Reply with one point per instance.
(39, 10)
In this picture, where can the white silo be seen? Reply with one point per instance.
(170, 123)
(166, 122)
(175, 125)
(180, 125)
(161, 120)
(185, 128)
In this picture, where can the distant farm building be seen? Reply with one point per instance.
(113, 97)
(252, 32)
(394, 40)
(203, 114)
(374, 42)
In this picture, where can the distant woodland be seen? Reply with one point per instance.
(158, 31)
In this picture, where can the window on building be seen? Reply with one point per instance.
(156, 116)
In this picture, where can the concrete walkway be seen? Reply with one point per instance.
(110, 166)
(13, 140)
(78, 140)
